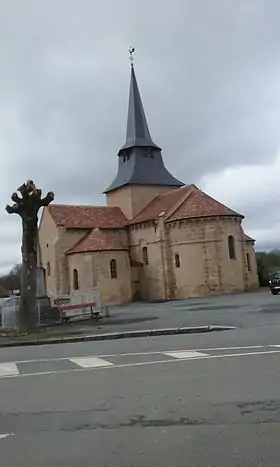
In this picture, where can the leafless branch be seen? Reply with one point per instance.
(48, 199)
(15, 209)
(15, 198)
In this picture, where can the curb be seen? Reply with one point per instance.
(118, 335)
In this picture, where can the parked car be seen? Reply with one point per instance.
(274, 283)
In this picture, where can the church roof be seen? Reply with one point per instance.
(199, 204)
(249, 239)
(184, 203)
(137, 130)
(160, 204)
(87, 217)
(98, 240)
(188, 202)
(140, 159)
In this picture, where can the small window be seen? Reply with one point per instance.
(248, 262)
(113, 268)
(231, 247)
(75, 280)
(125, 156)
(177, 261)
(48, 268)
(145, 256)
(149, 153)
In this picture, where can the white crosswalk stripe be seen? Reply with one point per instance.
(62, 365)
(8, 369)
(5, 435)
(90, 362)
(185, 354)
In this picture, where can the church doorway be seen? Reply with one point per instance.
(135, 280)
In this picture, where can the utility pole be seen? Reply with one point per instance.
(27, 206)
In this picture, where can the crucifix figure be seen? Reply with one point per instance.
(27, 206)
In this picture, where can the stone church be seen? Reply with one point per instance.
(157, 238)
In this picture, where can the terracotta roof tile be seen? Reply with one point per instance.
(98, 240)
(199, 204)
(194, 204)
(160, 204)
(87, 217)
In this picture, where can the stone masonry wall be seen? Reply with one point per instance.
(153, 281)
(132, 199)
(48, 236)
(205, 266)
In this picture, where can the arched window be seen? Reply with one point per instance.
(231, 247)
(75, 279)
(48, 268)
(113, 269)
(177, 261)
(248, 262)
(145, 256)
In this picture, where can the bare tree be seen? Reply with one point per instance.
(27, 206)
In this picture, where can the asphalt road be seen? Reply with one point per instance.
(208, 400)
(251, 310)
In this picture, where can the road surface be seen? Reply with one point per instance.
(208, 400)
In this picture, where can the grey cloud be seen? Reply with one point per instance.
(208, 74)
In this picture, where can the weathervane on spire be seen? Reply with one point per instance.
(131, 57)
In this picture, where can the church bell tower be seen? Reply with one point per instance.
(141, 174)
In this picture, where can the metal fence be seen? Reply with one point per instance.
(9, 308)
(9, 313)
(47, 313)
(54, 312)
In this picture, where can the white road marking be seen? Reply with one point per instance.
(5, 435)
(8, 369)
(188, 350)
(90, 362)
(130, 365)
(185, 354)
(157, 352)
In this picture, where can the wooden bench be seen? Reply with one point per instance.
(68, 307)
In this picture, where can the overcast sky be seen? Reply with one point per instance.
(209, 75)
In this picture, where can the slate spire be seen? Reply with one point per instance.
(137, 130)
(140, 159)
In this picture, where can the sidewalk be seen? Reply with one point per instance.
(135, 320)
(154, 319)
(77, 333)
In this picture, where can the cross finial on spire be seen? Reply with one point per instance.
(131, 52)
